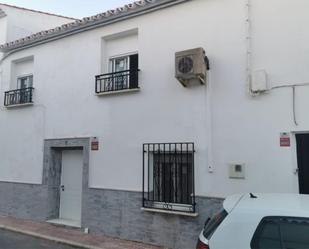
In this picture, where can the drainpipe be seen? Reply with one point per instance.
(249, 46)
(209, 115)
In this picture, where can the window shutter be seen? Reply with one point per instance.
(134, 71)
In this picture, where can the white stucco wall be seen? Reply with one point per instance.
(3, 28)
(3, 31)
(244, 129)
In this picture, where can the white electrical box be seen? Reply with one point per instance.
(259, 82)
(237, 171)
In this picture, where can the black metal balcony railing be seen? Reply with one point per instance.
(18, 97)
(117, 81)
(168, 176)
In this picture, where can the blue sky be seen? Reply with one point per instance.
(72, 8)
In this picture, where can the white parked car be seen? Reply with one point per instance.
(259, 221)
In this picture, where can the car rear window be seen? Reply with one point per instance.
(281, 233)
(213, 223)
(295, 233)
(267, 235)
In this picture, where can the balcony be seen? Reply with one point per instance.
(18, 97)
(122, 81)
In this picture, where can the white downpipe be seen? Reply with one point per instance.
(209, 118)
(249, 46)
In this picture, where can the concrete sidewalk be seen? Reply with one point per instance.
(68, 236)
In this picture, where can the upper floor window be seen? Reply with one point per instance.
(24, 81)
(21, 87)
(123, 75)
(119, 64)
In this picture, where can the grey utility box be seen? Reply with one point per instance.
(191, 65)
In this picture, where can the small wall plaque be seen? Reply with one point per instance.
(95, 144)
(285, 139)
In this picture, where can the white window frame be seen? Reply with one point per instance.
(112, 63)
(111, 60)
(112, 66)
(28, 83)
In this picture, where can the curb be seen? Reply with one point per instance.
(50, 238)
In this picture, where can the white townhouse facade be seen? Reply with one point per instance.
(97, 132)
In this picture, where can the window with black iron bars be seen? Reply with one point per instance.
(168, 181)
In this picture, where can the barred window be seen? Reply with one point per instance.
(169, 176)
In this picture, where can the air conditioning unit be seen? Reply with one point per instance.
(191, 65)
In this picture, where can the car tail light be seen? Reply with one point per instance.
(201, 245)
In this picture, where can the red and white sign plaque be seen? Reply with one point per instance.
(285, 140)
(94, 144)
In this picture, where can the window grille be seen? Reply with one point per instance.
(168, 176)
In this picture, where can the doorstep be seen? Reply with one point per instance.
(65, 223)
(68, 236)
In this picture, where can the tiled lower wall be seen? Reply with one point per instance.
(119, 214)
(114, 213)
(26, 201)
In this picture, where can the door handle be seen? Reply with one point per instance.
(62, 187)
(296, 171)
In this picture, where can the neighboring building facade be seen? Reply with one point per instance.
(96, 129)
(16, 22)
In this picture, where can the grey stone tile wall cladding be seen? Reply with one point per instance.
(118, 213)
(26, 201)
(109, 212)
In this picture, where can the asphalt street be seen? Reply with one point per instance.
(11, 240)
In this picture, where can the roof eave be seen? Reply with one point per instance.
(92, 25)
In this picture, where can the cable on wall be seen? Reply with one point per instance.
(293, 86)
(209, 124)
(294, 106)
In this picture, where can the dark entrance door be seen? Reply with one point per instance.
(302, 141)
